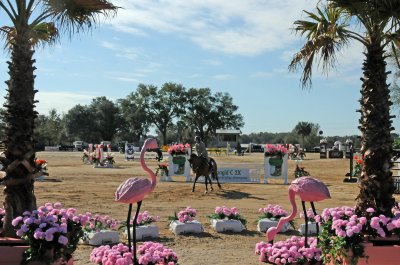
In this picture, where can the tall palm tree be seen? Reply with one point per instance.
(375, 24)
(32, 22)
(304, 129)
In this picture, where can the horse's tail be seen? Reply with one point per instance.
(214, 170)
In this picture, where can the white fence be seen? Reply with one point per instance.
(238, 173)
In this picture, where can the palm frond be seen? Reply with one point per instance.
(326, 34)
(76, 15)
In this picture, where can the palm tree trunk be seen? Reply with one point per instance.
(376, 187)
(19, 161)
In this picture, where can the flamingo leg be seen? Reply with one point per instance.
(306, 220)
(316, 225)
(128, 220)
(135, 260)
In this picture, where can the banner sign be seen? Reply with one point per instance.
(233, 174)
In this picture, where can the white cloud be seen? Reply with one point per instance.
(235, 27)
(223, 77)
(129, 53)
(61, 101)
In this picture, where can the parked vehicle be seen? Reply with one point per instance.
(80, 145)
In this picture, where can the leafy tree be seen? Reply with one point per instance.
(49, 129)
(328, 31)
(303, 129)
(32, 22)
(106, 117)
(165, 105)
(133, 110)
(207, 113)
(80, 124)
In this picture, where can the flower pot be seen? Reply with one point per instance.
(221, 225)
(264, 224)
(179, 228)
(101, 238)
(275, 161)
(11, 250)
(145, 231)
(312, 228)
(377, 255)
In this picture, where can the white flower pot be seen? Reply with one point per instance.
(312, 228)
(145, 231)
(264, 224)
(104, 237)
(186, 228)
(220, 225)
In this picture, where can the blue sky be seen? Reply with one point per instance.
(239, 47)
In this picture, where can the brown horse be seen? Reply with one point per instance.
(201, 167)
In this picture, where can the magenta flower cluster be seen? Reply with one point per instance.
(97, 222)
(155, 253)
(178, 149)
(289, 251)
(115, 255)
(226, 212)
(151, 254)
(50, 227)
(272, 212)
(275, 150)
(145, 218)
(187, 215)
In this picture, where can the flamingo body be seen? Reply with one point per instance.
(308, 189)
(133, 190)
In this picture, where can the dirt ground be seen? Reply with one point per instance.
(81, 186)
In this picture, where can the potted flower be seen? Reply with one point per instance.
(52, 233)
(312, 223)
(270, 216)
(178, 158)
(275, 161)
(290, 251)
(151, 254)
(357, 166)
(100, 229)
(184, 222)
(144, 226)
(109, 160)
(227, 219)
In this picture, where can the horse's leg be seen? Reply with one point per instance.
(205, 181)
(194, 183)
(215, 173)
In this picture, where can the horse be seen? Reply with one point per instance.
(201, 167)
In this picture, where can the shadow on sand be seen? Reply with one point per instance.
(237, 195)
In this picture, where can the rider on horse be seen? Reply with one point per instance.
(201, 149)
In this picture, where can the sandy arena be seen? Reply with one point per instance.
(81, 186)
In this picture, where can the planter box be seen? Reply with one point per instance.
(145, 231)
(378, 255)
(227, 225)
(193, 227)
(264, 224)
(312, 228)
(11, 250)
(104, 237)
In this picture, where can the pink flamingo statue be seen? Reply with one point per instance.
(310, 190)
(133, 190)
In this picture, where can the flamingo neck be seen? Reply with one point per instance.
(286, 219)
(146, 168)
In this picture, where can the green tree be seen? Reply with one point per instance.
(106, 117)
(133, 108)
(32, 22)
(49, 130)
(166, 105)
(377, 28)
(304, 130)
(80, 124)
(206, 112)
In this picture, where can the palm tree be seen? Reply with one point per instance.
(32, 22)
(328, 31)
(304, 129)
